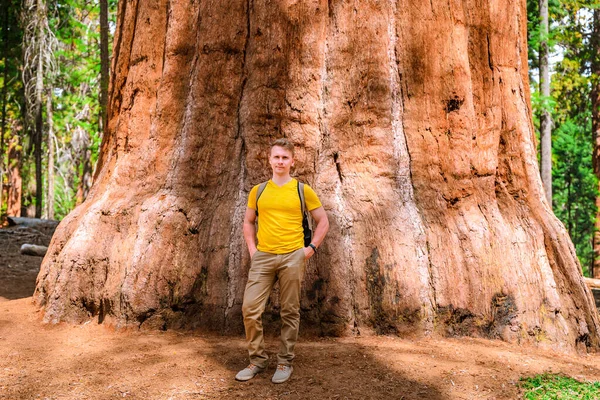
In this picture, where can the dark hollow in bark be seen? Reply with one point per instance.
(411, 120)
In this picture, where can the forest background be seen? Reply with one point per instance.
(52, 106)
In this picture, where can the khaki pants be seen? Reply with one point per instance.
(266, 267)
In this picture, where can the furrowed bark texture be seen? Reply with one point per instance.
(412, 122)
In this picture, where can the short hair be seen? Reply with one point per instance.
(284, 143)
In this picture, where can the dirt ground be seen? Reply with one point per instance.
(92, 361)
(17, 272)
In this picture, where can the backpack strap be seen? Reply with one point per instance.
(261, 189)
(301, 195)
(306, 225)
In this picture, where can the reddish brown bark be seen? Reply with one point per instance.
(411, 120)
(15, 182)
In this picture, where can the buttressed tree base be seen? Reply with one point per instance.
(411, 120)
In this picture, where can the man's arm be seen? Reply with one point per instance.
(250, 230)
(320, 217)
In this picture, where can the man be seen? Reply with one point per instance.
(279, 254)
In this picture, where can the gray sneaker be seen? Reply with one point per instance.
(282, 373)
(248, 373)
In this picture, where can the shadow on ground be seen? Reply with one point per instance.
(325, 369)
(95, 362)
(92, 361)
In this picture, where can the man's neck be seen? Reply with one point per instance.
(281, 180)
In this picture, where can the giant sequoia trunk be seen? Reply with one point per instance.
(412, 122)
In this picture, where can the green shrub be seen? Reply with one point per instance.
(554, 387)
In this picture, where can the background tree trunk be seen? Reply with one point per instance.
(38, 43)
(85, 178)
(412, 122)
(50, 166)
(104, 63)
(545, 118)
(15, 182)
(3, 100)
(595, 98)
(39, 128)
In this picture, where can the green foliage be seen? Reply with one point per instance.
(554, 387)
(65, 197)
(534, 31)
(11, 85)
(75, 87)
(540, 103)
(572, 87)
(574, 186)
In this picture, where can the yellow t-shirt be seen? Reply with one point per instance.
(280, 216)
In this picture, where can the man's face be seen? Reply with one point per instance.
(281, 160)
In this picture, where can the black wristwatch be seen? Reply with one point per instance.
(313, 247)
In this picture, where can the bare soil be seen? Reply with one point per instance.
(18, 272)
(91, 361)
